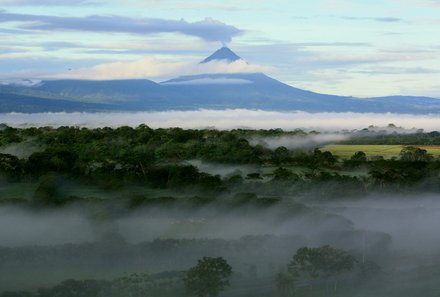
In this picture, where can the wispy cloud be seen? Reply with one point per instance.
(397, 70)
(383, 19)
(207, 29)
(331, 44)
(226, 119)
(7, 50)
(376, 19)
(150, 67)
(428, 3)
(15, 67)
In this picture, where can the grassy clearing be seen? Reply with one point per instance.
(387, 151)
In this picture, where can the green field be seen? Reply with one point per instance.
(387, 151)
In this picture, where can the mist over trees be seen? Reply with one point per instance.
(208, 278)
(112, 159)
(168, 212)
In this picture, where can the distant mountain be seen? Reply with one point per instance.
(222, 54)
(210, 91)
(98, 91)
(249, 90)
(29, 104)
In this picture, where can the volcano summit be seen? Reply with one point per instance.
(222, 54)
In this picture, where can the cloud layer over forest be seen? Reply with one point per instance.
(225, 119)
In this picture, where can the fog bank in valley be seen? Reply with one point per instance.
(298, 142)
(76, 242)
(410, 221)
(225, 119)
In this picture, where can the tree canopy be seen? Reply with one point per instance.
(208, 277)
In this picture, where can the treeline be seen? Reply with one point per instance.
(112, 253)
(136, 285)
(115, 159)
(312, 267)
(394, 138)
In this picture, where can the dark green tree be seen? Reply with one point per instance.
(280, 156)
(414, 154)
(359, 157)
(10, 166)
(208, 277)
(321, 262)
(284, 174)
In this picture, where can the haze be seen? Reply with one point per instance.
(225, 119)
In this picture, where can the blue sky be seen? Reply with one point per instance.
(359, 48)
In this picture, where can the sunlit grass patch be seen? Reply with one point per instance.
(387, 151)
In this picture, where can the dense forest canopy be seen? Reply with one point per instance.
(166, 159)
(164, 212)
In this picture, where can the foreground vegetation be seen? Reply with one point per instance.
(65, 165)
(239, 213)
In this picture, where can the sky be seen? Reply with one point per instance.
(344, 47)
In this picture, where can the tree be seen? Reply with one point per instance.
(208, 277)
(321, 262)
(10, 166)
(359, 157)
(280, 155)
(414, 154)
(325, 158)
(284, 174)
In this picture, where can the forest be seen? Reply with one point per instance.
(178, 212)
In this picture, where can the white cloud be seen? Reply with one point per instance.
(211, 81)
(226, 119)
(149, 67)
(238, 66)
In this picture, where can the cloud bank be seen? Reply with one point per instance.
(211, 81)
(150, 67)
(225, 119)
(207, 29)
(376, 19)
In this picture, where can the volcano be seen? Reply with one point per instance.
(207, 91)
(222, 54)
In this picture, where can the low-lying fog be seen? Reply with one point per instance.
(298, 142)
(44, 247)
(411, 221)
(225, 119)
(223, 169)
(20, 227)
